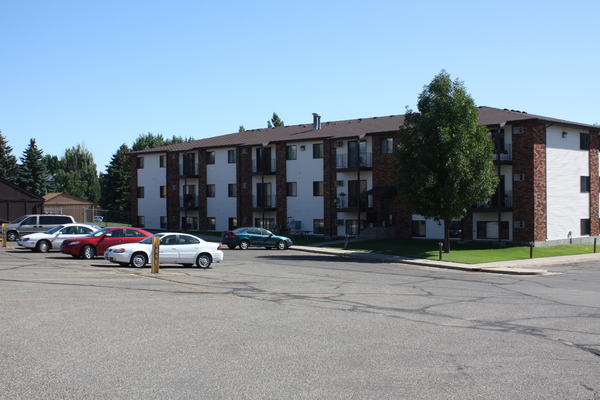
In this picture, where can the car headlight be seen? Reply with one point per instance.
(24, 239)
(72, 243)
(120, 250)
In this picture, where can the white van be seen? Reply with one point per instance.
(34, 223)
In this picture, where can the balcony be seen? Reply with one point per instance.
(263, 202)
(496, 202)
(188, 201)
(343, 161)
(263, 166)
(505, 154)
(188, 169)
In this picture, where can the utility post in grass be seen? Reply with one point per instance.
(444, 162)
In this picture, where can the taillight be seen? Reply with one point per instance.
(219, 247)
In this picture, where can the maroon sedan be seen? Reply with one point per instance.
(95, 243)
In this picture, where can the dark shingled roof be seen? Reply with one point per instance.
(488, 116)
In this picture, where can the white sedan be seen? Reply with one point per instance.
(53, 238)
(175, 248)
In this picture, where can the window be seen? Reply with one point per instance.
(163, 222)
(232, 189)
(489, 229)
(162, 161)
(140, 192)
(585, 184)
(292, 189)
(318, 189)
(141, 221)
(291, 152)
(231, 156)
(455, 230)
(189, 164)
(233, 223)
(356, 195)
(419, 229)
(210, 190)
(140, 162)
(585, 226)
(189, 223)
(318, 150)
(352, 226)
(264, 196)
(211, 223)
(387, 145)
(318, 226)
(267, 223)
(163, 191)
(584, 141)
(210, 157)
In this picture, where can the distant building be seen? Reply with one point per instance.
(63, 203)
(16, 202)
(335, 178)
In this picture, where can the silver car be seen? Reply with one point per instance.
(53, 238)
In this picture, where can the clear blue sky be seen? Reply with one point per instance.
(100, 73)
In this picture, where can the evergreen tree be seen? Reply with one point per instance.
(9, 168)
(242, 129)
(275, 121)
(444, 162)
(52, 164)
(116, 183)
(33, 176)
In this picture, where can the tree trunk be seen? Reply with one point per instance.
(446, 236)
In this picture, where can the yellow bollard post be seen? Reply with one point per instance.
(154, 265)
(4, 228)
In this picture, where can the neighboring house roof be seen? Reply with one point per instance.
(353, 128)
(10, 191)
(65, 199)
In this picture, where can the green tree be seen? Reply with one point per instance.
(151, 141)
(77, 174)
(9, 168)
(275, 121)
(33, 176)
(52, 164)
(242, 129)
(444, 162)
(116, 183)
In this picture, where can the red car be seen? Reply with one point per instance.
(95, 243)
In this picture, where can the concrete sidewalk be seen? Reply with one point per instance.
(514, 267)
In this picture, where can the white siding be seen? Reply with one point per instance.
(152, 177)
(221, 174)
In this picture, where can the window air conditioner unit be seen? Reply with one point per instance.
(519, 177)
(518, 129)
(174, 187)
(338, 183)
(519, 224)
(244, 150)
(245, 185)
(338, 143)
(339, 222)
(245, 220)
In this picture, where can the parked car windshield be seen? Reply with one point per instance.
(18, 220)
(54, 230)
(99, 233)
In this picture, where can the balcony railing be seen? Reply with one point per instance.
(502, 201)
(505, 154)
(188, 201)
(188, 169)
(343, 161)
(269, 201)
(263, 165)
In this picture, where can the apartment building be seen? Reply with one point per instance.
(336, 178)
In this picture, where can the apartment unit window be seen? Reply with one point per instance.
(318, 226)
(318, 150)
(141, 221)
(231, 156)
(585, 184)
(266, 223)
(419, 229)
(584, 141)
(163, 191)
(232, 189)
(163, 222)
(211, 223)
(318, 189)
(585, 226)
(352, 227)
(356, 193)
(489, 229)
(189, 223)
(291, 152)
(140, 162)
(210, 190)
(140, 192)
(210, 157)
(189, 164)
(233, 223)
(387, 145)
(292, 189)
(162, 161)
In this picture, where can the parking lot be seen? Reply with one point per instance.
(288, 324)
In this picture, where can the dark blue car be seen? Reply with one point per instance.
(254, 237)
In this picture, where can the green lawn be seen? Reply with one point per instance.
(468, 253)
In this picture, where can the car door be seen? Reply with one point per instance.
(270, 239)
(169, 253)
(188, 248)
(254, 236)
(110, 238)
(69, 232)
(29, 225)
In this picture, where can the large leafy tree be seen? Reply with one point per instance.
(52, 164)
(444, 160)
(77, 174)
(33, 176)
(151, 141)
(116, 183)
(9, 168)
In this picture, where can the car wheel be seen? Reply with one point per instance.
(282, 245)
(12, 236)
(42, 246)
(244, 244)
(231, 246)
(139, 260)
(204, 260)
(88, 252)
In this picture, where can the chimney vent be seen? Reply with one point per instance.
(316, 122)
